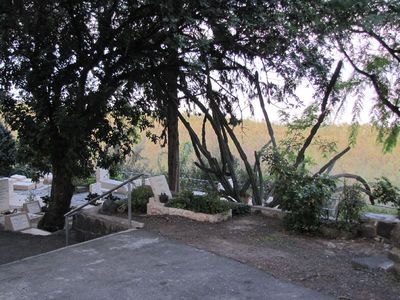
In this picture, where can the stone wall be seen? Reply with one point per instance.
(270, 212)
(156, 208)
(89, 224)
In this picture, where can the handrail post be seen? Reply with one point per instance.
(130, 204)
(66, 230)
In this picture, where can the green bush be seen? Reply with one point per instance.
(83, 181)
(209, 204)
(386, 193)
(240, 209)
(302, 197)
(351, 204)
(140, 198)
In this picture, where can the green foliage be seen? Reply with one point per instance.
(386, 193)
(351, 204)
(7, 151)
(90, 197)
(301, 195)
(240, 209)
(84, 181)
(140, 198)
(209, 204)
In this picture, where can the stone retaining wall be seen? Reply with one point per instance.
(270, 212)
(89, 224)
(157, 208)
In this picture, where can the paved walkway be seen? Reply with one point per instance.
(139, 265)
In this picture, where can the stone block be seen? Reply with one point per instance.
(5, 194)
(368, 230)
(32, 207)
(373, 263)
(25, 185)
(156, 208)
(16, 222)
(159, 185)
(395, 236)
(17, 177)
(384, 229)
(95, 188)
(270, 212)
(394, 255)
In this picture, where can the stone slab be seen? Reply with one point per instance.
(35, 231)
(159, 185)
(17, 177)
(140, 265)
(95, 188)
(16, 222)
(384, 229)
(24, 185)
(380, 217)
(373, 262)
(156, 208)
(32, 207)
(270, 212)
(5, 194)
(394, 254)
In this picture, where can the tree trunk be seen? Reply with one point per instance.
(61, 194)
(173, 147)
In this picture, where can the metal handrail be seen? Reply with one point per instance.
(75, 210)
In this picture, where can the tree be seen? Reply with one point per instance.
(366, 34)
(7, 151)
(68, 69)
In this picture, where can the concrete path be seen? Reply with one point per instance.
(139, 265)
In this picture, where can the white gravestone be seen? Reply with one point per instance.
(5, 194)
(16, 222)
(95, 188)
(102, 175)
(159, 185)
(32, 207)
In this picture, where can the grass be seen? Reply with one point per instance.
(379, 210)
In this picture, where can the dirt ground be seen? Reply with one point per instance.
(320, 264)
(316, 263)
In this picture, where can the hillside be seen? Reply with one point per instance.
(365, 159)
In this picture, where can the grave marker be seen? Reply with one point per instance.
(32, 207)
(5, 194)
(159, 185)
(16, 222)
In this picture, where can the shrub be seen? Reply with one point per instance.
(302, 197)
(140, 198)
(90, 197)
(240, 209)
(7, 151)
(386, 193)
(350, 204)
(209, 204)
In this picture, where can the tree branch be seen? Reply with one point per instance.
(321, 118)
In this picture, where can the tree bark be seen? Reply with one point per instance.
(173, 147)
(61, 195)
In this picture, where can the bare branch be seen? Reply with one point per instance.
(267, 120)
(332, 161)
(321, 118)
(361, 180)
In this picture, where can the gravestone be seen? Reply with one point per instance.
(102, 175)
(159, 185)
(32, 207)
(16, 222)
(5, 194)
(95, 188)
(17, 177)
